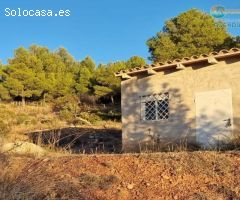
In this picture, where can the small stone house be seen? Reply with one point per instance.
(195, 99)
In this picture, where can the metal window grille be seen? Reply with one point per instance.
(155, 107)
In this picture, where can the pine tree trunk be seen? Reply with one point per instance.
(44, 99)
(112, 99)
(23, 101)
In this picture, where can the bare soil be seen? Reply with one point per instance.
(184, 175)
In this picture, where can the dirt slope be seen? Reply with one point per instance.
(198, 175)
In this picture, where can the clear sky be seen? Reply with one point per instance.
(107, 30)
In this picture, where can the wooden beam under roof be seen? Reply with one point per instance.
(180, 66)
(125, 76)
(151, 71)
(212, 60)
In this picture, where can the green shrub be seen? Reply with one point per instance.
(21, 119)
(68, 108)
(34, 121)
(91, 117)
(70, 103)
(110, 115)
(67, 116)
(102, 182)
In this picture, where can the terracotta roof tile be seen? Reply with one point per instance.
(234, 49)
(185, 60)
(212, 54)
(224, 51)
(177, 60)
(205, 55)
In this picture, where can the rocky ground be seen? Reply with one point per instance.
(184, 175)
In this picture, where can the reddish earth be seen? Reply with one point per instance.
(184, 175)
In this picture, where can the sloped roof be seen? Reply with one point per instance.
(212, 58)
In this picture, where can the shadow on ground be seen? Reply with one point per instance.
(80, 140)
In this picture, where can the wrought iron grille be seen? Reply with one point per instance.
(155, 107)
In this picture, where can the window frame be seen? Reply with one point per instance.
(165, 96)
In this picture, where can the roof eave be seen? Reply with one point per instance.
(158, 68)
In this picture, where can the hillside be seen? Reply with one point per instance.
(16, 120)
(185, 175)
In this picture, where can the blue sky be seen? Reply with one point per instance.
(106, 30)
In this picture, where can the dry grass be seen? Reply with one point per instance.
(183, 175)
(20, 120)
(28, 118)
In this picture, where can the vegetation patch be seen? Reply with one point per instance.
(102, 182)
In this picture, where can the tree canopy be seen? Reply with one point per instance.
(38, 73)
(190, 33)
